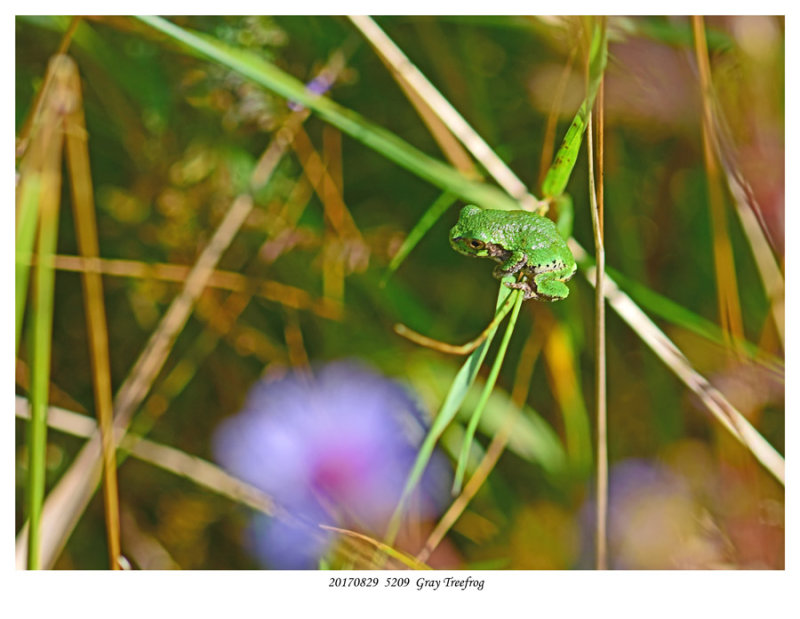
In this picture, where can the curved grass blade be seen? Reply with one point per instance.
(458, 391)
(374, 136)
(558, 175)
(487, 390)
(426, 222)
(407, 560)
(450, 349)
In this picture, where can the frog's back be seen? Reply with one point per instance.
(535, 231)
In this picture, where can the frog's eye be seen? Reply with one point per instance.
(476, 244)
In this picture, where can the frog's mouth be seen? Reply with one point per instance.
(497, 252)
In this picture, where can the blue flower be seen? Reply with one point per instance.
(335, 449)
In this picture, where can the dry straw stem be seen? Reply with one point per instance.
(289, 296)
(601, 552)
(413, 77)
(450, 146)
(96, 325)
(23, 139)
(730, 313)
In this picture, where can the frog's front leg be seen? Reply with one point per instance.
(511, 265)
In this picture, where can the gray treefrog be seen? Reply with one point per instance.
(521, 242)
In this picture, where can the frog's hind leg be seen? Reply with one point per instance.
(548, 287)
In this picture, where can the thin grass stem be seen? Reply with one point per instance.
(28, 127)
(601, 552)
(175, 461)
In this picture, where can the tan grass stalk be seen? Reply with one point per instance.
(601, 547)
(289, 296)
(730, 313)
(96, 324)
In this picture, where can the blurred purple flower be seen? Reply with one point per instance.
(317, 86)
(334, 448)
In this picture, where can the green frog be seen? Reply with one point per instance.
(523, 243)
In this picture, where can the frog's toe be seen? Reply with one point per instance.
(525, 286)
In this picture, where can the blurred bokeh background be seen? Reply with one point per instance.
(173, 140)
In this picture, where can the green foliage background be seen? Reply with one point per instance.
(173, 138)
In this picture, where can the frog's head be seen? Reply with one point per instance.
(469, 236)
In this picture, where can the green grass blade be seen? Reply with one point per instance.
(487, 390)
(40, 370)
(558, 175)
(562, 355)
(398, 555)
(256, 68)
(426, 222)
(455, 396)
(26, 233)
(533, 439)
(676, 314)
(677, 33)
